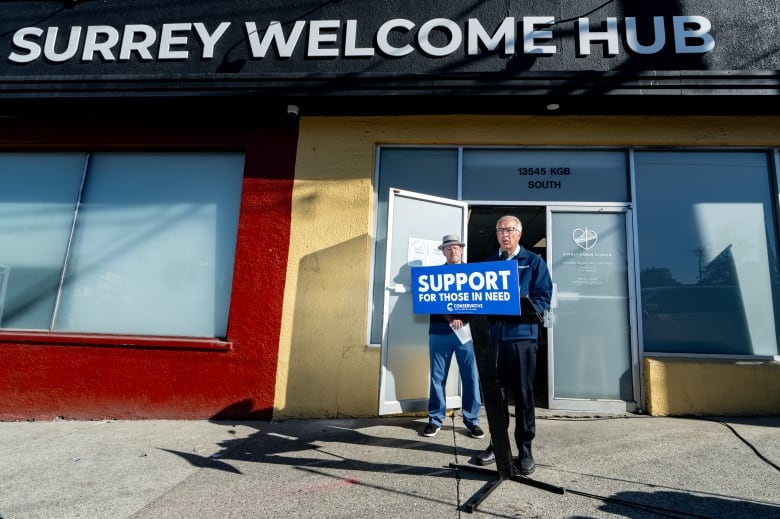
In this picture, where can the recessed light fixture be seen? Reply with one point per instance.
(553, 106)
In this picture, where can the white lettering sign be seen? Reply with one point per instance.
(329, 39)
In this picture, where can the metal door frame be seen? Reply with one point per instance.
(413, 405)
(635, 358)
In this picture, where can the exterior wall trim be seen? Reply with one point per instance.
(679, 387)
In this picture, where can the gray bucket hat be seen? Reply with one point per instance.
(450, 239)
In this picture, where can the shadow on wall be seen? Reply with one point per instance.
(243, 410)
(330, 372)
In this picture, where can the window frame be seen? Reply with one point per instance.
(89, 132)
(375, 313)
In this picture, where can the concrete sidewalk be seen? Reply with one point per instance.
(608, 466)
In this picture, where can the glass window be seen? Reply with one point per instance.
(707, 252)
(152, 248)
(545, 175)
(433, 171)
(37, 203)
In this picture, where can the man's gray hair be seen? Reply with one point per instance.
(515, 219)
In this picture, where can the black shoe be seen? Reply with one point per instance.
(486, 457)
(525, 464)
(431, 430)
(476, 431)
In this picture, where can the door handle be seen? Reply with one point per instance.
(398, 288)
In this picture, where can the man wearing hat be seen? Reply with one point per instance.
(442, 344)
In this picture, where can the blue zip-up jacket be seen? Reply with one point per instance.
(530, 266)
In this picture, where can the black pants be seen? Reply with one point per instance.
(516, 364)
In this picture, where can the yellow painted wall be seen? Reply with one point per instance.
(677, 387)
(325, 368)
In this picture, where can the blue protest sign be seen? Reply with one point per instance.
(467, 288)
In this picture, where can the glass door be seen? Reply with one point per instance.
(592, 342)
(416, 224)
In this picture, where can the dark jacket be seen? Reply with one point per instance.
(535, 281)
(439, 325)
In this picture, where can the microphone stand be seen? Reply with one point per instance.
(485, 350)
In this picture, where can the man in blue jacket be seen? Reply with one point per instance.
(517, 341)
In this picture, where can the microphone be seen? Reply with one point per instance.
(504, 255)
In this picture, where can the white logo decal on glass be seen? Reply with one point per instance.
(585, 238)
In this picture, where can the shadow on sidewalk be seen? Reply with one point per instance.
(683, 504)
(330, 444)
(394, 446)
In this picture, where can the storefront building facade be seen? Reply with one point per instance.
(210, 211)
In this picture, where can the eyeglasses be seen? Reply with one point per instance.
(506, 230)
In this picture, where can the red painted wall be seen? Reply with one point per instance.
(44, 376)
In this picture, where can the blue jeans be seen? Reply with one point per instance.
(440, 350)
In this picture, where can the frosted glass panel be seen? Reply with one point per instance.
(405, 374)
(545, 175)
(38, 197)
(592, 346)
(433, 171)
(154, 245)
(708, 257)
